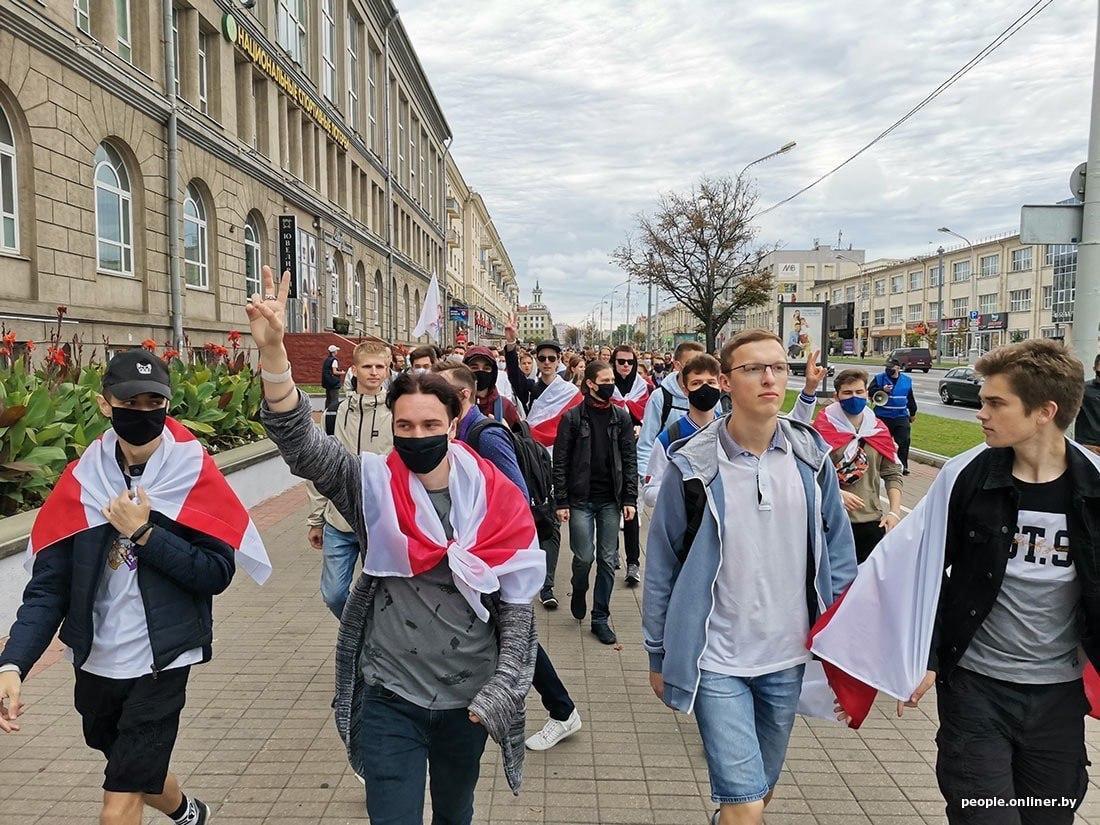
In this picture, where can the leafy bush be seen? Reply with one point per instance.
(49, 416)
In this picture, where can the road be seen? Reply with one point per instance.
(925, 390)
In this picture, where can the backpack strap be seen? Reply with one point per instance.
(473, 436)
(666, 406)
(695, 506)
(498, 409)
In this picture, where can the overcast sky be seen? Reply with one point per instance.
(570, 117)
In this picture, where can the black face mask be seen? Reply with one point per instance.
(605, 392)
(484, 380)
(704, 397)
(421, 455)
(138, 427)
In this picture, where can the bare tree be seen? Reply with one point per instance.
(572, 337)
(700, 247)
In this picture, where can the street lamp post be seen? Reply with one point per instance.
(939, 300)
(975, 340)
(786, 147)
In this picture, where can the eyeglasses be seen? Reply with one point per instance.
(547, 359)
(622, 362)
(757, 370)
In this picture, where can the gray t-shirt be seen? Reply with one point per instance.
(424, 642)
(1030, 636)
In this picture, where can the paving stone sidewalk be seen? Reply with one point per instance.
(257, 741)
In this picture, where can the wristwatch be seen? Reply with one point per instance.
(141, 531)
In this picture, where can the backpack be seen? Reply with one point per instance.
(667, 401)
(695, 506)
(534, 465)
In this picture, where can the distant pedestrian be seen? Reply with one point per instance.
(631, 394)
(330, 378)
(1087, 429)
(422, 358)
(900, 409)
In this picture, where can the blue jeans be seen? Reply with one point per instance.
(399, 742)
(338, 555)
(745, 724)
(594, 535)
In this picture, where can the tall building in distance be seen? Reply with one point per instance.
(306, 129)
(534, 321)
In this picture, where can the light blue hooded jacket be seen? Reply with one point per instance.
(678, 600)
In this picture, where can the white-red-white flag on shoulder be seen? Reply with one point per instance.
(556, 400)
(182, 483)
(635, 400)
(495, 546)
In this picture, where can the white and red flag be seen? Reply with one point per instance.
(182, 482)
(556, 400)
(838, 432)
(635, 400)
(878, 635)
(495, 546)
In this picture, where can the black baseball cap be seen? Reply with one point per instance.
(554, 345)
(134, 371)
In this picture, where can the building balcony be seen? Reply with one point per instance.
(452, 237)
(452, 207)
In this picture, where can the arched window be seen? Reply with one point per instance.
(195, 241)
(334, 264)
(9, 205)
(113, 220)
(378, 299)
(405, 301)
(252, 258)
(360, 283)
(416, 305)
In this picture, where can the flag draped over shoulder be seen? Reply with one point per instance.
(556, 400)
(838, 432)
(182, 482)
(635, 400)
(495, 546)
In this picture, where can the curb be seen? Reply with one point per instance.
(925, 457)
(16, 530)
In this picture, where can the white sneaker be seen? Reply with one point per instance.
(554, 731)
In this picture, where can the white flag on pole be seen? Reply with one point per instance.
(431, 314)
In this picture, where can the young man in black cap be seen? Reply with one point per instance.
(127, 552)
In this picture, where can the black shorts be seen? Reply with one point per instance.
(134, 723)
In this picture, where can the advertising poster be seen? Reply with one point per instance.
(802, 328)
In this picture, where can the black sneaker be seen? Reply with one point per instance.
(604, 633)
(633, 575)
(905, 471)
(578, 605)
(548, 599)
(204, 812)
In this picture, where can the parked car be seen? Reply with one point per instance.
(961, 384)
(911, 358)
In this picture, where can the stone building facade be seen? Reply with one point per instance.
(315, 109)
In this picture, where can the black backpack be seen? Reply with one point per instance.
(534, 465)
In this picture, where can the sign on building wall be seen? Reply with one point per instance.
(789, 272)
(288, 250)
(803, 330)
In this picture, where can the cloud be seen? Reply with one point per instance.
(571, 117)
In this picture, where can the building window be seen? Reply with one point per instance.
(353, 71)
(1019, 300)
(895, 315)
(960, 271)
(378, 299)
(402, 114)
(1021, 259)
(204, 75)
(880, 287)
(195, 253)
(328, 50)
(372, 98)
(914, 312)
(81, 15)
(880, 317)
(114, 230)
(837, 295)
(987, 304)
(9, 192)
(122, 20)
(357, 299)
(863, 318)
(414, 132)
(176, 46)
(1063, 258)
(850, 293)
(935, 275)
(916, 280)
(1048, 296)
(897, 284)
(959, 306)
(291, 28)
(423, 172)
(933, 310)
(989, 266)
(251, 258)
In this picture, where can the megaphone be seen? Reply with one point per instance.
(879, 398)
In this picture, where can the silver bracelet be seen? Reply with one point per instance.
(275, 377)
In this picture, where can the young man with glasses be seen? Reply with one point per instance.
(749, 513)
(631, 394)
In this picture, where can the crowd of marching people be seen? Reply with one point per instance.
(779, 575)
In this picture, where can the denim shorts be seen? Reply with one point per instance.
(746, 723)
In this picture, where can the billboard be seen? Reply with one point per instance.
(802, 328)
(842, 319)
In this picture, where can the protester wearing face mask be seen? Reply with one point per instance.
(451, 569)
(422, 358)
(899, 410)
(128, 572)
(865, 457)
(486, 372)
(595, 481)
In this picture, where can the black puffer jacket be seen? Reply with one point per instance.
(573, 457)
(179, 571)
(981, 528)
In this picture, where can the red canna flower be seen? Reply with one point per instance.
(56, 355)
(170, 353)
(29, 346)
(9, 340)
(149, 344)
(234, 337)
